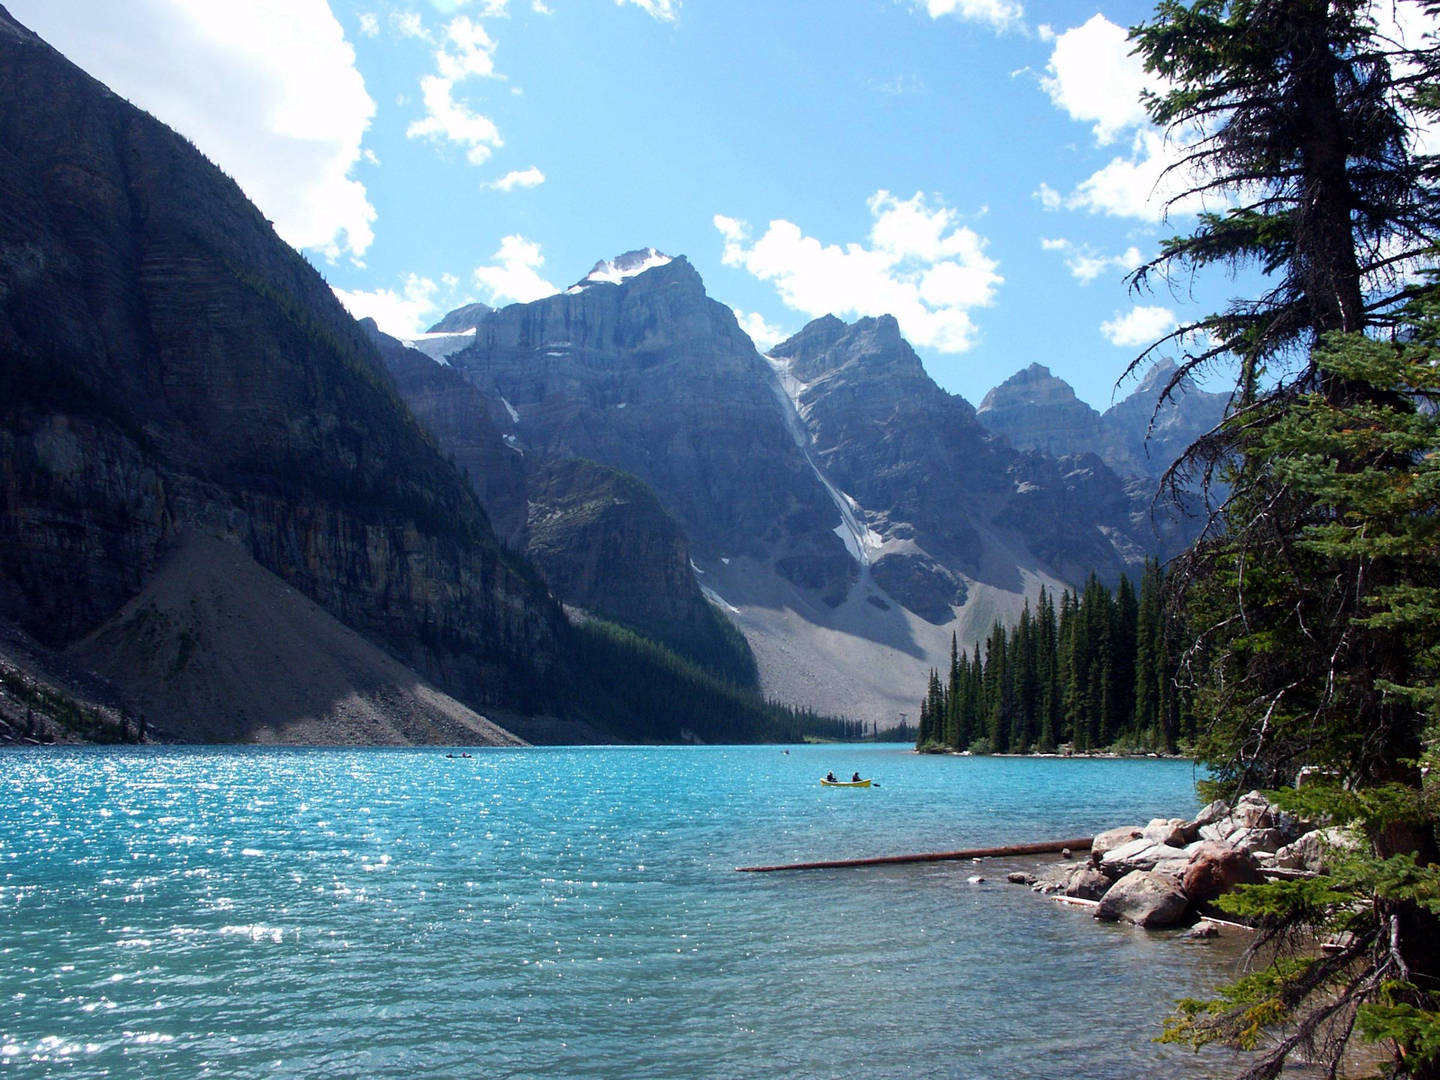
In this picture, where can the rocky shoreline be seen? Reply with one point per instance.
(1171, 872)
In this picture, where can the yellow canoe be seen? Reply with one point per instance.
(844, 783)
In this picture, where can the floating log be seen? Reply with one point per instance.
(1044, 847)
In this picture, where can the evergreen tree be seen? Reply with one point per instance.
(1311, 597)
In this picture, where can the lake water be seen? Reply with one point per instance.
(567, 912)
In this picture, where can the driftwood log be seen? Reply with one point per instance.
(1044, 847)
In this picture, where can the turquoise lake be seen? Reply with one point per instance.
(568, 912)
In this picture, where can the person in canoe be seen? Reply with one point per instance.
(830, 778)
(855, 778)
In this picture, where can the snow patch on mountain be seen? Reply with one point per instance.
(621, 267)
(440, 346)
(859, 539)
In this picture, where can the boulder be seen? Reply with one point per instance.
(1113, 838)
(1146, 899)
(1256, 840)
(1162, 831)
(1212, 813)
(1087, 884)
(1217, 831)
(1141, 854)
(1201, 931)
(1020, 877)
(1215, 869)
(1308, 852)
(1254, 811)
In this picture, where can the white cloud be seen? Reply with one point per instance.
(1093, 77)
(525, 178)
(765, 336)
(660, 10)
(268, 90)
(1049, 198)
(401, 314)
(369, 24)
(1001, 14)
(1086, 264)
(516, 276)
(538, 6)
(409, 24)
(1139, 326)
(921, 266)
(465, 52)
(1145, 184)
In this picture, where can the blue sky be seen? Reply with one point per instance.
(980, 168)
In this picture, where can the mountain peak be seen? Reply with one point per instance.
(621, 267)
(461, 319)
(1032, 386)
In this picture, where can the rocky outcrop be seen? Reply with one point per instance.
(1145, 876)
(170, 364)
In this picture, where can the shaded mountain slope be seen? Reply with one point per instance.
(170, 364)
(216, 647)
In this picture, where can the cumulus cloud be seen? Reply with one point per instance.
(514, 275)
(1139, 326)
(401, 314)
(920, 265)
(1001, 14)
(267, 89)
(765, 336)
(369, 24)
(1086, 264)
(660, 10)
(524, 178)
(1093, 77)
(465, 52)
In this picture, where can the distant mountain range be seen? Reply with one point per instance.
(252, 517)
(843, 510)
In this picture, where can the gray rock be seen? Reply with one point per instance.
(1212, 813)
(1201, 931)
(1113, 838)
(1257, 839)
(1310, 850)
(1145, 898)
(1020, 877)
(1169, 833)
(1254, 811)
(1087, 884)
(1139, 854)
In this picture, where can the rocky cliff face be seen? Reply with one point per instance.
(1037, 411)
(600, 537)
(942, 497)
(650, 376)
(169, 363)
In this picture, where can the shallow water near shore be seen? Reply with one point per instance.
(564, 912)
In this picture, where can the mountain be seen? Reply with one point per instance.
(843, 510)
(169, 367)
(599, 536)
(1035, 410)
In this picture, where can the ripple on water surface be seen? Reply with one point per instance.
(565, 912)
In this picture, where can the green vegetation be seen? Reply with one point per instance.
(41, 704)
(642, 691)
(1097, 674)
(1314, 598)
